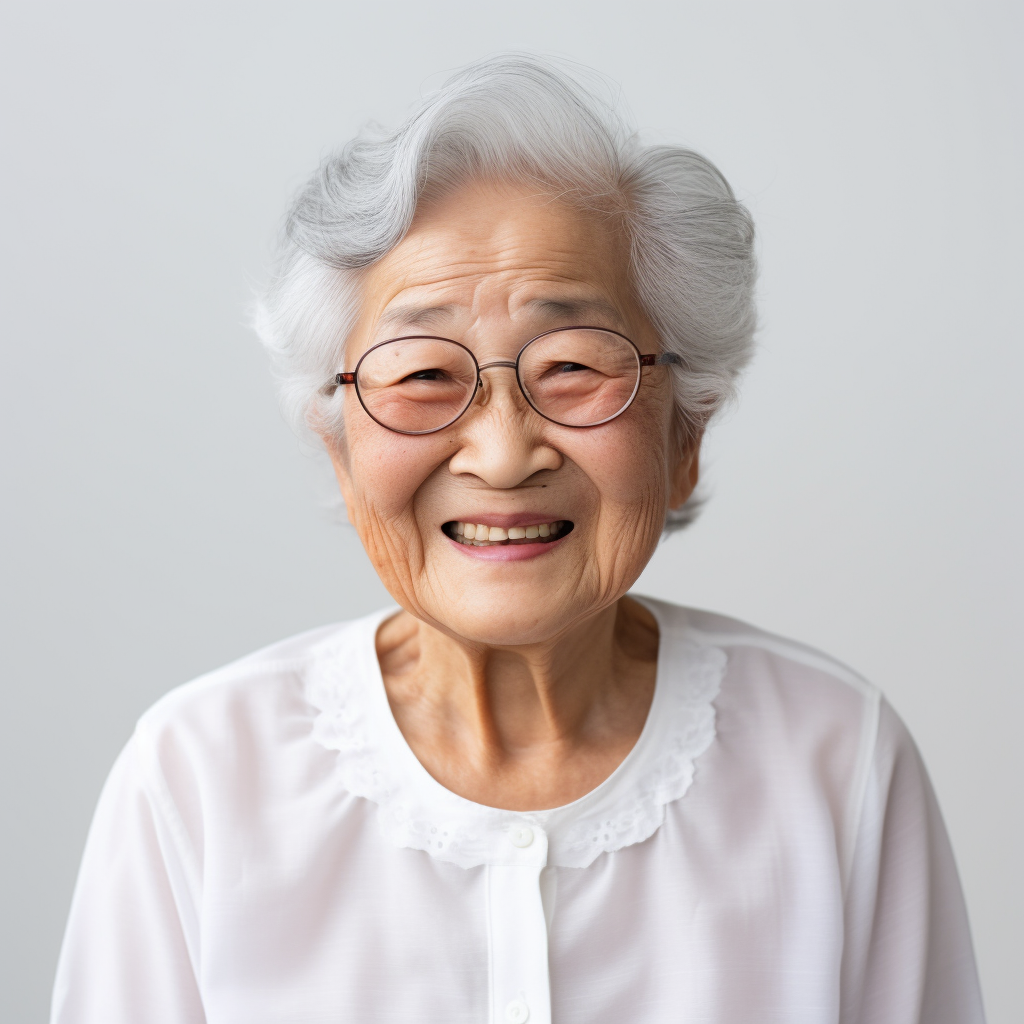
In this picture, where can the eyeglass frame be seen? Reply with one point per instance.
(650, 359)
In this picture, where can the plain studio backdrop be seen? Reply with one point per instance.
(159, 519)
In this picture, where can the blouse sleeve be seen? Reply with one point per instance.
(907, 957)
(129, 953)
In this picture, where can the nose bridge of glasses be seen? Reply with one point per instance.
(492, 365)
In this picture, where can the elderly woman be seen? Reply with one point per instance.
(522, 795)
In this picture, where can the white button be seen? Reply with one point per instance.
(521, 836)
(517, 1012)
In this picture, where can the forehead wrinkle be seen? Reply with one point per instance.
(430, 255)
(547, 283)
(548, 289)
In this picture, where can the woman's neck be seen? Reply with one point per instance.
(522, 728)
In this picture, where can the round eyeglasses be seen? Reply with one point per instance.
(572, 376)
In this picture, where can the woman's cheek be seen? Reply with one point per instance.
(385, 477)
(387, 471)
(628, 469)
(629, 474)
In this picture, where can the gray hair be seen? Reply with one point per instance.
(519, 118)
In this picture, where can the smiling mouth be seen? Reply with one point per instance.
(480, 536)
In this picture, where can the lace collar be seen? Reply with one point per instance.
(414, 810)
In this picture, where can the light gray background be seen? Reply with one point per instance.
(159, 519)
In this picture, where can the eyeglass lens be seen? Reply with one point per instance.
(575, 377)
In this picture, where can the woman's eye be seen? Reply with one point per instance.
(427, 375)
(570, 367)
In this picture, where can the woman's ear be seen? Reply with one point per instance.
(685, 473)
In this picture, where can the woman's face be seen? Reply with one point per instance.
(492, 266)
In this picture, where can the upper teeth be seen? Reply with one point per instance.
(478, 534)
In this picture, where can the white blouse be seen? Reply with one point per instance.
(269, 850)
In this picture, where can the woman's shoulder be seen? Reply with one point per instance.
(784, 707)
(787, 699)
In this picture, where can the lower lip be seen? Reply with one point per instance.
(508, 552)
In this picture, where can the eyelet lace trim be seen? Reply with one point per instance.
(416, 812)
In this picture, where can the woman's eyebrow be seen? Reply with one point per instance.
(417, 316)
(577, 310)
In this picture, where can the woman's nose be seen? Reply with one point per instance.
(503, 442)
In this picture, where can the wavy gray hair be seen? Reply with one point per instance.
(527, 119)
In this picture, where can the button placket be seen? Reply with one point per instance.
(520, 986)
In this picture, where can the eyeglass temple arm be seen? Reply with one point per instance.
(339, 379)
(665, 359)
